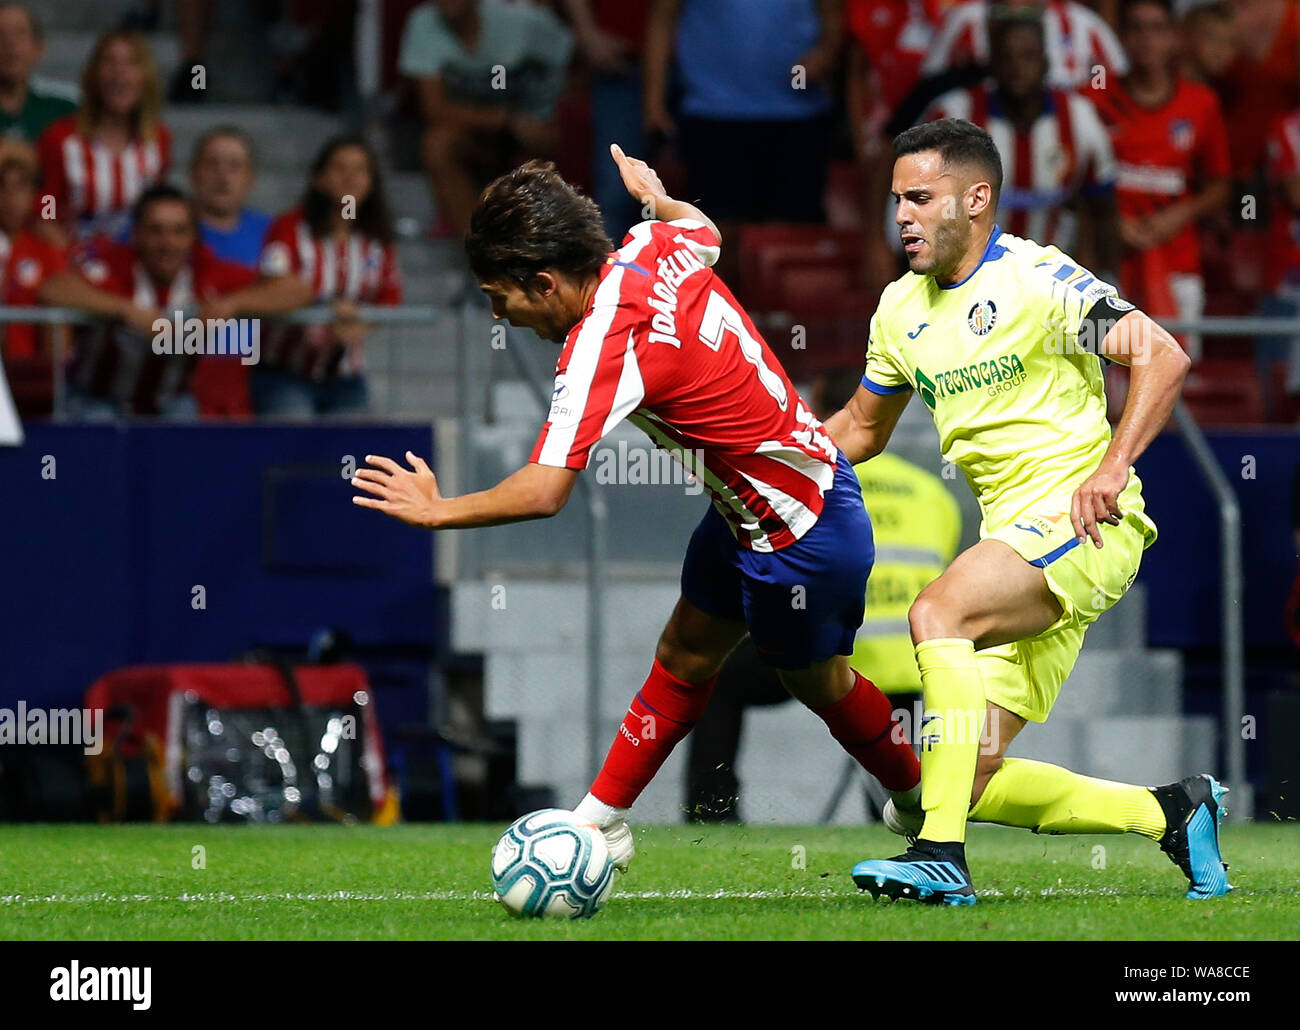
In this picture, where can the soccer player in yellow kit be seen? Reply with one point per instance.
(1001, 339)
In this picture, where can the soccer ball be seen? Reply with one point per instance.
(550, 864)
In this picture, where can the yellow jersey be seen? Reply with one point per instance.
(1017, 398)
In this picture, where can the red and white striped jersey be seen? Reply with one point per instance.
(1066, 152)
(27, 260)
(355, 268)
(93, 188)
(1077, 40)
(665, 345)
(119, 363)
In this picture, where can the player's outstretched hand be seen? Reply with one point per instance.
(410, 495)
(640, 179)
(1097, 501)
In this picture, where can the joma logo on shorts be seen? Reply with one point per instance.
(993, 376)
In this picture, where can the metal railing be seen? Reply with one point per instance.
(1232, 602)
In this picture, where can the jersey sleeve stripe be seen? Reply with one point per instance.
(580, 376)
(630, 390)
(882, 389)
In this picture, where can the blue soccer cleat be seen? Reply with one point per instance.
(926, 871)
(1192, 814)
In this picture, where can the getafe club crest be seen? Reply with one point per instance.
(982, 317)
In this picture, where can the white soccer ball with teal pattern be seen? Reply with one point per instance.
(550, 864)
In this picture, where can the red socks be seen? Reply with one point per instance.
(661, 714)
(666, 708)
(862, 722)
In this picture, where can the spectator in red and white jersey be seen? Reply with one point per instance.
(164, 269)
(100, 160)
(888, 40)
(338, 246)
(1058, 166)
(1172, 150)
(27, 257)
(1078, 41)
(1283, 282)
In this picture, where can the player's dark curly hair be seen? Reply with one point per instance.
(530, 220)
(958, 142)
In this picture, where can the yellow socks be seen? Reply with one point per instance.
(1033, 795)
(950, 734)
(1050, 799)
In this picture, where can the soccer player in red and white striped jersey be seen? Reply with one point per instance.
(649, 333)
(100, 160)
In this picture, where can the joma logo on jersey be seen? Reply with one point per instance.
(994, 376)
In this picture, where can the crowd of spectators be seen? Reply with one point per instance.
(1156, 140)
(89, 221)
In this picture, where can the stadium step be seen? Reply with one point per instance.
(71, 16)
(286, 137)
(1144, 749)
(1118, 717)
(1134, 681)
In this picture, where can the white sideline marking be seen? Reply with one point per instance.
(208, 897)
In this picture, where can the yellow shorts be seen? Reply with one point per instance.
(1025, 677)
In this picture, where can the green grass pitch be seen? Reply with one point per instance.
(735, 882)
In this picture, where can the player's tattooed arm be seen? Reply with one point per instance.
(412, 495)
(864, 425)
(1158, 367)
(643, 183)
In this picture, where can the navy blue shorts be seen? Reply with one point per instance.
(803, 603)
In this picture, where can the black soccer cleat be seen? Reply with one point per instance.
(1191, 840)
